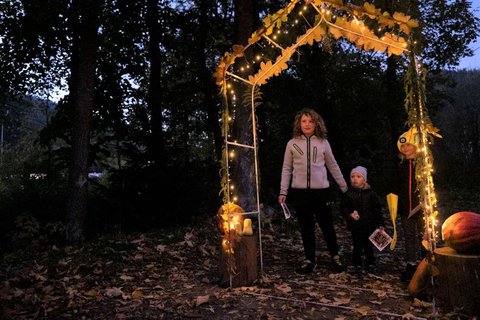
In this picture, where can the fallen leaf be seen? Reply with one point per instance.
(340, 301)
(18, 292)
(114, 292)
(325, 300)
(139, 240)
(161, 247)
(137, 294)
(126, 278)
(363, 310)
(285, 288)
(91, 293)
(408, 316)
(202, 299)
(380, 293)
(314, 294)
(421, 304)
(376, 302)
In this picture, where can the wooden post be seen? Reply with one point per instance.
(459, 281)
(245, 257)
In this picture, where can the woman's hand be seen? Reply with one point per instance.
(282, 198)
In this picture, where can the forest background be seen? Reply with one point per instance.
(135, 142)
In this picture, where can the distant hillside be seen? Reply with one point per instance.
(22, 117)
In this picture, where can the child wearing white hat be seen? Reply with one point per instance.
(362, 210)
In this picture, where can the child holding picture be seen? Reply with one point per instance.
(361, 208)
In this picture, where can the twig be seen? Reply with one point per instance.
(357, 288)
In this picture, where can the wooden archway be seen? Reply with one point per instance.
(300, 23)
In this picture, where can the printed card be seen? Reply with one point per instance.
(286, 211)
(380, 239)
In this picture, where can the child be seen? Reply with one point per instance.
(408, 202)
(361, 207)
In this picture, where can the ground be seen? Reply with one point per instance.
(175, 275)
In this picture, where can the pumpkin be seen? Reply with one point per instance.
(461, 231)
(420, 279)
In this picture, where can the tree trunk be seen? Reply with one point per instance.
(242, 173)
(245, 257)
(155, 91)
(459, 281)
(82, 86)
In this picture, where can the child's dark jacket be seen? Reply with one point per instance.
(367, 204)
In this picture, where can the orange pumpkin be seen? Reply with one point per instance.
(420, 280)
(461, 231)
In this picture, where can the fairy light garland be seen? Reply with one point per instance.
(428, 198)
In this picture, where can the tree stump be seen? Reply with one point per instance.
(459, 281)
(245, 257)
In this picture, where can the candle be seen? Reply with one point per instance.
(247, 227)
(238, 229)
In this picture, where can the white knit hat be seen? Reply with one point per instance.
(361, 171)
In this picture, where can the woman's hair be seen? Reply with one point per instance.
(320, 128)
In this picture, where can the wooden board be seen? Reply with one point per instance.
(458, 283)
(245, 256)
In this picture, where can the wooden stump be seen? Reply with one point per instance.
(459, 281)
(245, 257)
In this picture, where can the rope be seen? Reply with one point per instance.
(327, 305)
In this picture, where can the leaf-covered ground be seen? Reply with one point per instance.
(174, 275)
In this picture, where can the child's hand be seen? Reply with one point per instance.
(354, 215)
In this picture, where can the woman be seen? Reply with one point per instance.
(307, 157)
